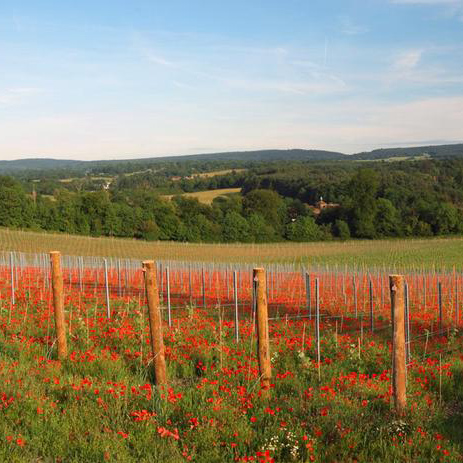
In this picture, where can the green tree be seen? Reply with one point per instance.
(235, 228)
(362, 190)
(268, 204)
(303, 229)
(341, 229)
(387, 219)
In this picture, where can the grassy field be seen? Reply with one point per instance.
(208, 196)
(215, 173)
(426, 253)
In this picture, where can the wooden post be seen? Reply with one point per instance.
(169, 311)
(203, 283)
(371, 306)
(155, 321)
(12, 280)
(396, 284)
(263, 347)
(58, 303)
(317, 324)
(439, 296)
(235, 298)
(106, 283)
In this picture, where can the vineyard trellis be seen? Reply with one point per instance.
(357, 299)
(324, 299)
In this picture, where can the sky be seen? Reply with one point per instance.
(113, 79)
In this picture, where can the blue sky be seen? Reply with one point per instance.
(118, 79)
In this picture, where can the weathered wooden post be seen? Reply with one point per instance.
(235, 298)
(370, 290)
(263, 347)
(12, 279)
(203, 284)
(169, 311)
(155, 321)
(439, 297)
(58, 303)
(106, 283)
(317, 324)
(396, 284)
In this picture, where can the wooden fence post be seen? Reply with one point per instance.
(155, 321)
(396, 284)
(58, 303)
(263, 348)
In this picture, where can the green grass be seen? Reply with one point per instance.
(208, 196)
(88, 407)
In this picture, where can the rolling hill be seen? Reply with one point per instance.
(127, 165)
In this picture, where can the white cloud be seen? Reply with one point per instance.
(17, 95)
(408, 60)
(452, 8)
(348, 27)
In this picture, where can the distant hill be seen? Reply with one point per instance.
(438, 151)
(38, 164)
(259, 155)
(433, 151)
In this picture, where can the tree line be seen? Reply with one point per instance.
(374, 200)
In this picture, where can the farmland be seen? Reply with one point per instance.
(208, 196)
(437, 253)
(328, 403)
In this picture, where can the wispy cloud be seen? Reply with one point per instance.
(407, 60)
(349, 27)
(452, 8)
(315, 87)
(17, 95)
(149, 52)
(156, 58)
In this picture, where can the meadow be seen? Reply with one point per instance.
(102, 404)
(208, 196)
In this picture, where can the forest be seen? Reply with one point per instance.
(278, 200)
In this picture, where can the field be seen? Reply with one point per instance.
(217, 172)
(327, 404)
(412, 254)
(208, 196)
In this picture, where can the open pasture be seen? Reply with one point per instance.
(330, 394)
(208, 196)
